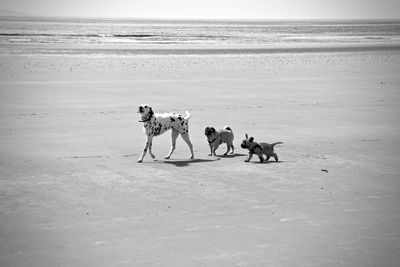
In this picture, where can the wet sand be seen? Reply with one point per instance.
(72, 193)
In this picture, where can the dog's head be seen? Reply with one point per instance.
(247, 143)
(146, 112)
(209, 131)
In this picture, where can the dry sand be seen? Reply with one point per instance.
(72, 194)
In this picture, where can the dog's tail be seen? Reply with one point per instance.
(187, 115)
(228, 128)
(277, 143)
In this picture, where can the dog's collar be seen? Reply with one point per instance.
(212, 141)
(146, 120)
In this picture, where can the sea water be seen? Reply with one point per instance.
(27, 35)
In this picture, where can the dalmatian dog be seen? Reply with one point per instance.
(259, 148)
(156, 124)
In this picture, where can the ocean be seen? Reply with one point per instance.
(70, 36)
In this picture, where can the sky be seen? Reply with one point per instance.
(211, 9)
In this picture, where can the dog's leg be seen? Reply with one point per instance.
(233, 149)
(228, 147)
(275, 156)
(267, 158)
(149, 141)
(185, 137)
(174, 136)
(211, 151)
(150, 152)
(249, 158)
(260, 156)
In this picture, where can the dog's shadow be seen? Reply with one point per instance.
(231, 155)
(267, 162)
(185, 163)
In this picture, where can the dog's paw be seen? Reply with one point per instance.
(139, 161)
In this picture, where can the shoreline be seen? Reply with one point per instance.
(192, 49)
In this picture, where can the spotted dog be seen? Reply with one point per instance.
(216, 138)
(259, 148)
(157, 124)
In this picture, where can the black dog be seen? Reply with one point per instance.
(259, 148)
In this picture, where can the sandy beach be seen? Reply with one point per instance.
(72, 193)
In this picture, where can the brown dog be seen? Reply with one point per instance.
(259, 148)
(216, 138)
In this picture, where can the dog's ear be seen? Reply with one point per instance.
(151, 111)
(247, 137)
(251, 139)
(213, 129)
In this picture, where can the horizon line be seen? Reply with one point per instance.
(26, 15)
